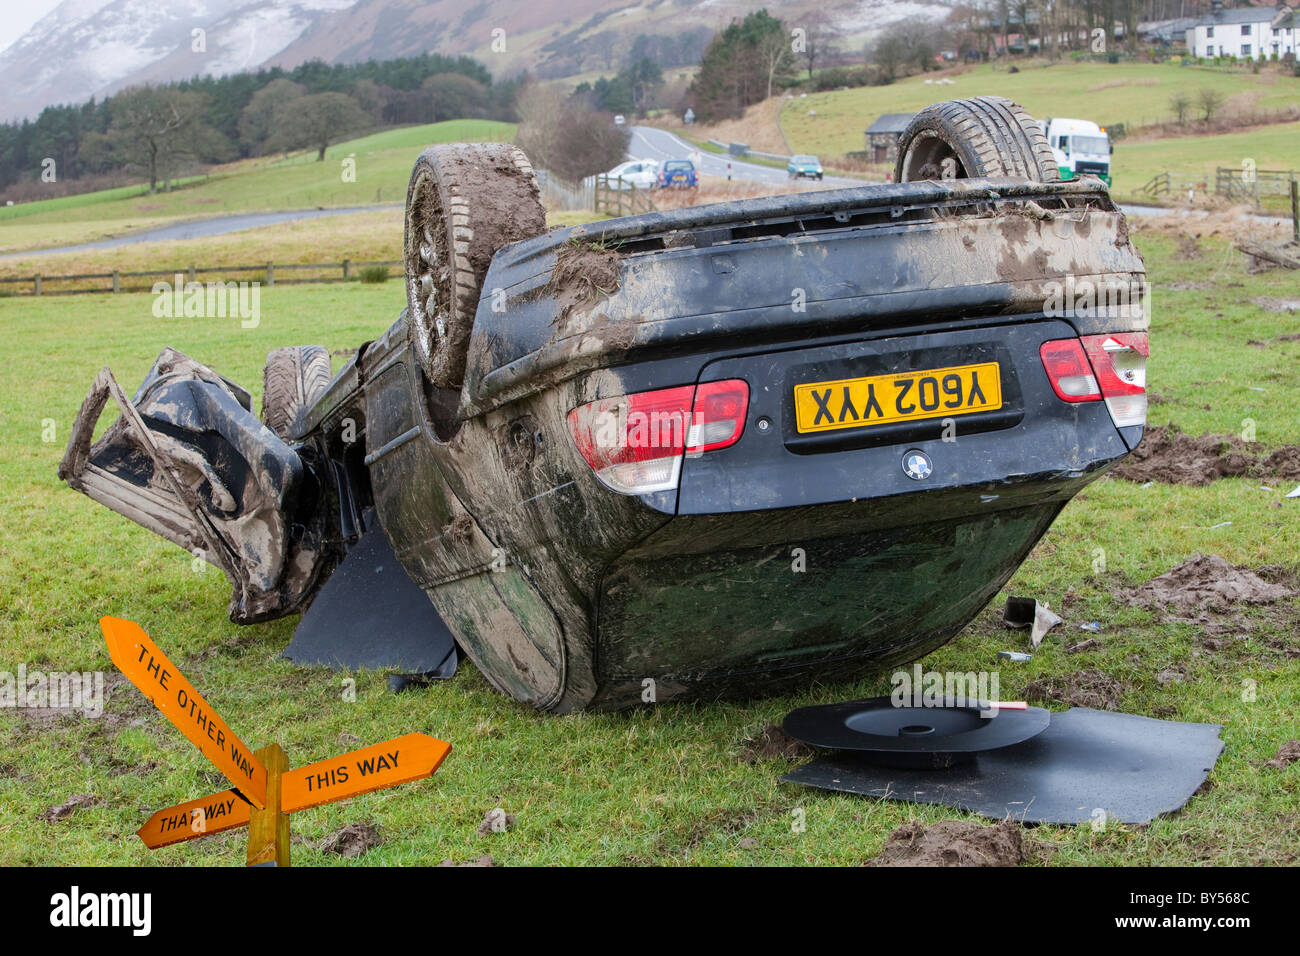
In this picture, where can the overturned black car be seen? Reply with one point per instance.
(727, 449)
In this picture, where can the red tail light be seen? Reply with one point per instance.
(1110, 367)
(718, 416)
(1068, 371)
(1120, 361)
(635, 443)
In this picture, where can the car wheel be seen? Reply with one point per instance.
(985, 136)
(293, 381)
(464, 202)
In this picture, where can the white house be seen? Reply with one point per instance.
(1245, 33)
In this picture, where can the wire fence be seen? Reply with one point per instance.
(560, 194)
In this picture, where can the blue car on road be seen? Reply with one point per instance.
(678, 172)
(804, 166)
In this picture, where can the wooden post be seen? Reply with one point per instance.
(270, 274)
(117, 281)
(38, 283)
(189, 274)
(268, 830)
(346, 269)
(1295, 213)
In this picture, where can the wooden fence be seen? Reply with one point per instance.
(620, 197)
(1236, 182)
(266, 274)
(1157, 185)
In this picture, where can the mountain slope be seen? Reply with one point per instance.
(87, 48)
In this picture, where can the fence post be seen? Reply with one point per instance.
(189, 274)
(346, 271)
(270, 274)
(1295, 213)
(117, 281)
(38, 283)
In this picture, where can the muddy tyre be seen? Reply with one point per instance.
(985, 136)
(464, 202)
(293, 380)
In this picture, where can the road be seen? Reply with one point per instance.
(201, 228)
(657, 144)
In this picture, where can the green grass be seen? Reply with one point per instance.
(80, 200)
(1130, 93)
(663, 786)
(382, 167)
(1194, 158)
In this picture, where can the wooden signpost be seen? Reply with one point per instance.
(266, 790)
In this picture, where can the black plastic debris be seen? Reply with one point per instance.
(922, 737)
(370, 614)
(1085, 764)
(1019, 612)
(1027, 612)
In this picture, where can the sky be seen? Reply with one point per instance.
(18, 16)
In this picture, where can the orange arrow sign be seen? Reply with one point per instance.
(158, 678)
(395, 761)
(195, 818)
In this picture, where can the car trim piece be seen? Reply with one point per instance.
(392, 444)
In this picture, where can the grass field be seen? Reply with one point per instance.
(362, 237)
(664, 786)
(383, 166)
(1130, 93)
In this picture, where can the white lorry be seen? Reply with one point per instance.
(1081, 147)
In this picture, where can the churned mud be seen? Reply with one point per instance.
(483, 860)
(773, 742)
(1168, 455)
(1206, 582)
(956, 843)
(1285, 306)
(496, 821)
(352, 840)
(1287, 754)
(1085, 688)
(70, 806)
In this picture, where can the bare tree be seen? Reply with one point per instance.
(1181, 104)
(566, 136)
(539, 108)
(775, 55)
(1209, 100)
(317, 121)
(153, 129)
(818, 41)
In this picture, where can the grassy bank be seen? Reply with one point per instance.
(381, 166)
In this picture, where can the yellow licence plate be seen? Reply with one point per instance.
(900, 397)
